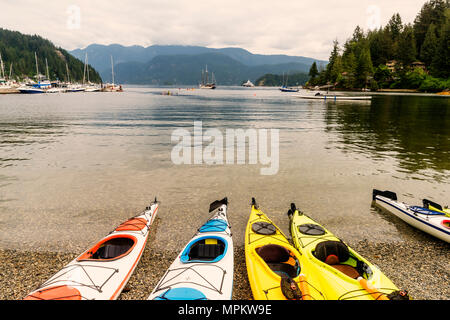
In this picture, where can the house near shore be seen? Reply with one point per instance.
(391, 65)
(419, 64)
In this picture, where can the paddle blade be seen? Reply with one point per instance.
(218, 203)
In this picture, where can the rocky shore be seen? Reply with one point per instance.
(422, 270)
(420, 265)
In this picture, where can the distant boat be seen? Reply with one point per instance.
(40, 86)
(89, 86)
(111, 87)
(285, 87)
(205, 80)
(333, 97)
(248, 84)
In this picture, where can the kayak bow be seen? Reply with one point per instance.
(204, 268)
(343, 274)
(101, 272)
(276, 270)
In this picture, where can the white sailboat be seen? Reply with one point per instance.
(111, 87)
(89, 87)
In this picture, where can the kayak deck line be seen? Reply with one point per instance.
(49, 285)
(101, 271)
(163, 282)
(203, 270)
(344, 274)
(275, 269)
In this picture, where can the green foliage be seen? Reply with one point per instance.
(19, 49)
(427, 40)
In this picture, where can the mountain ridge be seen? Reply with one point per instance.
(240, 62)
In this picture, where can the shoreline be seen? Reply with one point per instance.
(422, 270)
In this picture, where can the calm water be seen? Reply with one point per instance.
(73, 166)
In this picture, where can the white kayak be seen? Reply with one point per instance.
(432, 222)
(101, 272)
(330, 97)
(204, 268)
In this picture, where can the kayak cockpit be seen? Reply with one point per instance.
(204, 249)
(280, 260)
(111, 248)
(337, 255)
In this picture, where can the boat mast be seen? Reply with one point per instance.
(37, 68)
(2, 70)
(84, 70)
(112, 70)
(67, 71)
(87, 68)
(46, 66)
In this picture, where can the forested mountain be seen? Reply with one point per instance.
(398, 55)
(169, 64)
(187, 70)
(18, 49)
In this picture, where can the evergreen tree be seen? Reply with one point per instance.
(407, 46)
(364, 67)
(333, 69)
(395, 26)
(429, 46)
(313, 72)
(432, 12)
(440, 65)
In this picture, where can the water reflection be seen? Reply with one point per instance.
(414, 130)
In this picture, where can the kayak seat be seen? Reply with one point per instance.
(113, 248)
(204, 251)
(334, 253)
(276, 258)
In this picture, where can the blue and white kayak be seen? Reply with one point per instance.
(204, 268)
(432, 222)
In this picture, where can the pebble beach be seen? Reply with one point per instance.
(423, 270)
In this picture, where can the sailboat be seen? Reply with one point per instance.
(112, 87)
(285, 87)
(40, 86)
(90, 87)
(205, 84)
(6, 84)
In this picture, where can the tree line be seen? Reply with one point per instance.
(398, 55)
(18, 49)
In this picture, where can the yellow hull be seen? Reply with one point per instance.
(264, 282)
(369, 283)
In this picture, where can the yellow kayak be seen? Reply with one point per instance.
(275, 268)
(343, 274)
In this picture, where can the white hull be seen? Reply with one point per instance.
(333, 97)
(431, 224)
(192, 277)
(90, 277)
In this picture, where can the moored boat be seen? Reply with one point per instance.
(331, 97)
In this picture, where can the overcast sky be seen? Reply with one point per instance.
(294, 27)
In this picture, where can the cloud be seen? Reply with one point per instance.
(265, 26)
